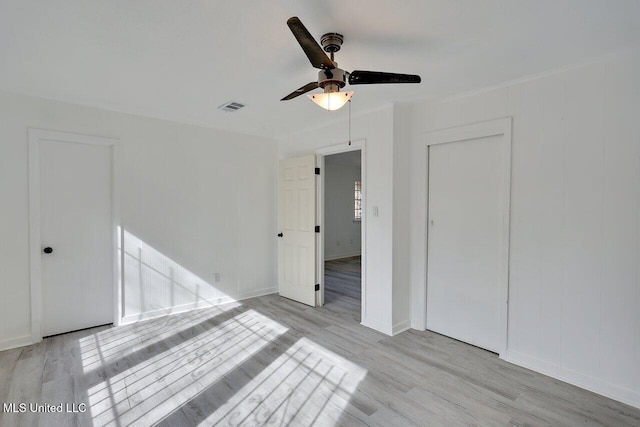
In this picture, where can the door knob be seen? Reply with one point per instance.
(48, 250)
(280, 234)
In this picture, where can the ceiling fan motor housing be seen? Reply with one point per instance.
(332, 80)
(331, 42)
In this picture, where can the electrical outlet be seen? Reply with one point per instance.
(216, 277)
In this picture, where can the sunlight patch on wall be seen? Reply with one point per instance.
(156, 285)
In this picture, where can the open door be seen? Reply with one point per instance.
(297, 238)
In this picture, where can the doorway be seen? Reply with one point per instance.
(341, 211)
(73, 232)
(343, 234)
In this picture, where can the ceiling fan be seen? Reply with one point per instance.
(331, 78)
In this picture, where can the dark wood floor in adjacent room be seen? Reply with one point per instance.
(342, 285)
(271, 361)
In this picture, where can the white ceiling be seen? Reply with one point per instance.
(180, 60)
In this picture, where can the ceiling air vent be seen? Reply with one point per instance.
(231, 106)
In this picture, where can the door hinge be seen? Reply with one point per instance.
(317, 228)
(317, 171)
(317, 287)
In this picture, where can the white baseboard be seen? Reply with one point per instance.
(596, 385)
(15, 342)
(378, 326)
(257, 293)
(418, 324)
(25, 340)
(399, 328)
(195, 306)
(340, 256)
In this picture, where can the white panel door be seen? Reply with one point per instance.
(466, 239)
(76, 221)
(297, 239)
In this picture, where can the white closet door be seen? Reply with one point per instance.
(466, 240)
(75, 200)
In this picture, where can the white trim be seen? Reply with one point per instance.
(497, 127)
(596, 385)
(470, 131)
(320, 238)
(359, 144)
(341, 148)
(399, 328)
(420, 321)
(118, 234)
(378, 326)
(35, 242)
(15, 342)
(133, 318)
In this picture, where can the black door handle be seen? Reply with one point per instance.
(48, 250)
(280, 234)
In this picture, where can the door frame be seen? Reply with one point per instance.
(35, 138)
(320, 161)
(497, 127)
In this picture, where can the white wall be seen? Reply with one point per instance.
(377, 129)
(194, 202)
(402, 194)
(575, 220)
(342, 235)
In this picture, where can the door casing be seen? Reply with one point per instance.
(320, 161)
(498, 127)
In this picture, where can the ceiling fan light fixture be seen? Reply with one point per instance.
(331, 78)
(331, 101)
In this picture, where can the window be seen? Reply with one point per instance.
(357, 204)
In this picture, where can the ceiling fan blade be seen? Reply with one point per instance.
(304, 89)
(311, 48)
(376, 77)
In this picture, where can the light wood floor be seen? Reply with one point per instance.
(271, 361)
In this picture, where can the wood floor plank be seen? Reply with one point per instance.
(272, 361)
(8, 360)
